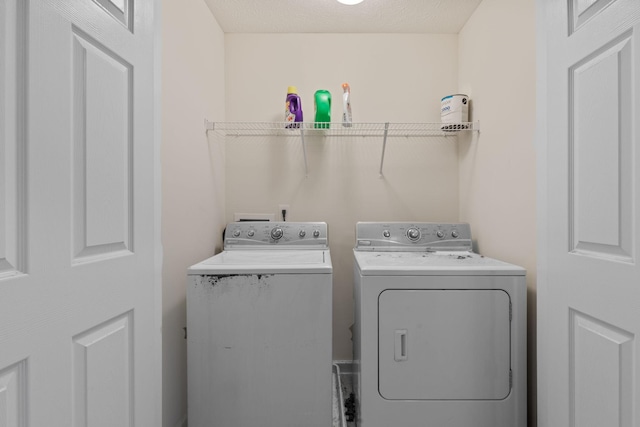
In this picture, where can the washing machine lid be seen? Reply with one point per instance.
(265, 262)
(439, 263)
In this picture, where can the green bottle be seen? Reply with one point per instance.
(323, 109)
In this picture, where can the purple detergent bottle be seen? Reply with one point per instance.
(293, 110)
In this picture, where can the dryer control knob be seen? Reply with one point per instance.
(455, 234)
(413, 234)
(316, 233)
(236, 233)
(440, 234)
(386, 233)
(276, 233)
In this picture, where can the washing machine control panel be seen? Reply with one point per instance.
(409, 236)
(276, 235)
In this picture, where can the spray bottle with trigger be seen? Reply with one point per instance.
(346, 105)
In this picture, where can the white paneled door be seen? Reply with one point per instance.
(79, 247)
(589, 290)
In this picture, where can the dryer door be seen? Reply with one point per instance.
(444, 344)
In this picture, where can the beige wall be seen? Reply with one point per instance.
(394, 77)
(497, 174)
(193, 178)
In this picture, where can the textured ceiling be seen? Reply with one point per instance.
(329, 16)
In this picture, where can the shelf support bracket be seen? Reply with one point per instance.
(384, 145)
(208, 125)
(304, 151)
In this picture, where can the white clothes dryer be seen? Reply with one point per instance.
(259, 325)
(440, 331)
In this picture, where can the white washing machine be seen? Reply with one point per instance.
(259, 325)
(440, 331)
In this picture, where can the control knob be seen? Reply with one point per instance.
(251, 233)
(455, 234)
(302, 233)
(236, 233)
(276, 233)
(413, 234)
(386, 233)
(316, 233)
(440, 234)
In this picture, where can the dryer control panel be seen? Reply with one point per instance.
(276, 235)
(413, 236)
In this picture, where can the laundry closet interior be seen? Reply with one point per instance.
(223, 87)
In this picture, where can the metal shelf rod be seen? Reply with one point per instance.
(304, 152)
(384, 145)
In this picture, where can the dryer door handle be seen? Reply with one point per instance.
(400, 350)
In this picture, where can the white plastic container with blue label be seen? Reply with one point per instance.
(454, 109)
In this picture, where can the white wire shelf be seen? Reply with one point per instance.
(338, 130)
(310, 129)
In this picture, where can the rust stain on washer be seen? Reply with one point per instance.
(229, 278)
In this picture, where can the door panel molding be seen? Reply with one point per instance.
(601, 358)
(120, 10)
(103, 374)
(13, 141)
(102, 165)
(582, 11)
(13, 395)
(600, 147)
